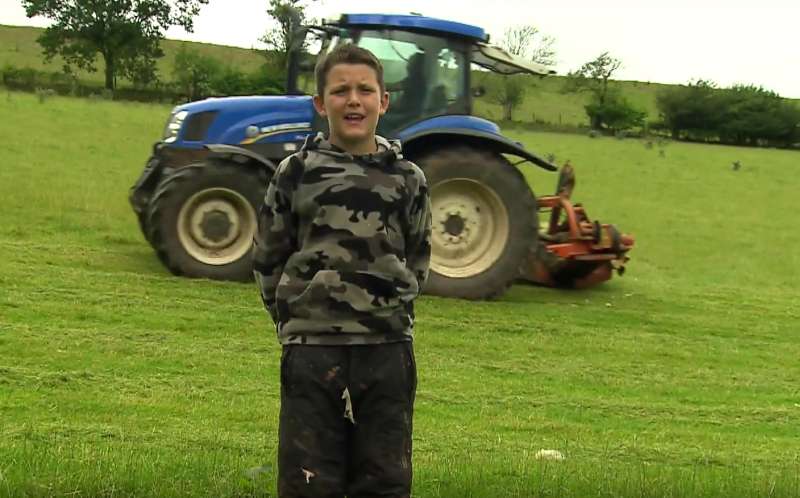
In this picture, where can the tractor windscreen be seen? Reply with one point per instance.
(425, 75)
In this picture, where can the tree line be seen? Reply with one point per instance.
(698, 111)
(125, 34)
(741, 114)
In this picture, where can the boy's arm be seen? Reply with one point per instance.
(275, 239)
(418, 240)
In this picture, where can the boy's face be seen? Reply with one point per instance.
(352, 103)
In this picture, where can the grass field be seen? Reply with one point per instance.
(544, 100)
(679, 379)
(18, 47)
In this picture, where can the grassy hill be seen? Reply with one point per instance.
(679, 379)
(544, 101)
(18, 47)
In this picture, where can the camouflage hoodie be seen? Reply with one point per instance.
(343, 245)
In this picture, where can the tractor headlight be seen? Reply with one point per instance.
(174, 126)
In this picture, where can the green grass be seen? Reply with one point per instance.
(18, 47)
(544, 100)
(679, 379)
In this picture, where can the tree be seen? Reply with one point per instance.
(529, 43)
(194, 73)
(508, 91)
(742, 114)
(614, 114)
(756, 116)
(290, 15)
(607, 109)
(594, 76)
(694, 109)
(126, 33)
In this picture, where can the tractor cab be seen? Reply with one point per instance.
(427, 62)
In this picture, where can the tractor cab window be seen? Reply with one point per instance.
(425, 76)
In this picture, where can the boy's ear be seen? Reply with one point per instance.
(384, 103)
(319, 105)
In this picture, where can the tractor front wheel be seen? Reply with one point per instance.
(202, 219)
(484, 222)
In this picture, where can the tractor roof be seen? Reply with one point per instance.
(489, 56)
(413, 22)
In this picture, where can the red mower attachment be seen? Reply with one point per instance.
(573, 251)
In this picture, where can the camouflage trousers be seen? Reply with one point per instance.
(346, 420)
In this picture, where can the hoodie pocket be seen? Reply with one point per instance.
(331, 293)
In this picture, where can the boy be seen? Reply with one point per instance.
(342, 251)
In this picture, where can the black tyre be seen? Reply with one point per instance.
(202, 218)
(142, 219)
(140, 193)
(484, 222)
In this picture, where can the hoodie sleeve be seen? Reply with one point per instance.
(418, 240)
(276, 237)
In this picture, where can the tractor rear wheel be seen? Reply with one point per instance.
(202, 219)
(484, 222)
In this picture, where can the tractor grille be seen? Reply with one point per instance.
(197, 125)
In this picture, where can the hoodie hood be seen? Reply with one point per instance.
(388, 150)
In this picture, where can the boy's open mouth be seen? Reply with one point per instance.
(353, 117)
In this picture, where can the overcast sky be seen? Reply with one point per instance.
(672, 41)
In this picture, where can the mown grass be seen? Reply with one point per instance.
(679, 379)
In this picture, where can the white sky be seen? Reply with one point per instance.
(668, 41)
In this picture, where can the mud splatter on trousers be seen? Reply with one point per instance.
(346, 420)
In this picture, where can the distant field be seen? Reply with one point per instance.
(544, 101)
(679, 379)
(18, 47)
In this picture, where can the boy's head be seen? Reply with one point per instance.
(347, 54)
(351, 94)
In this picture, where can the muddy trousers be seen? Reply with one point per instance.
(346, 421)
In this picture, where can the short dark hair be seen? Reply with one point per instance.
(346, 54)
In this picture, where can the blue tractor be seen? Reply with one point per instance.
(197, 198)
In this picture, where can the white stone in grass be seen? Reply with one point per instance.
(549, 455)
(257, 471)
